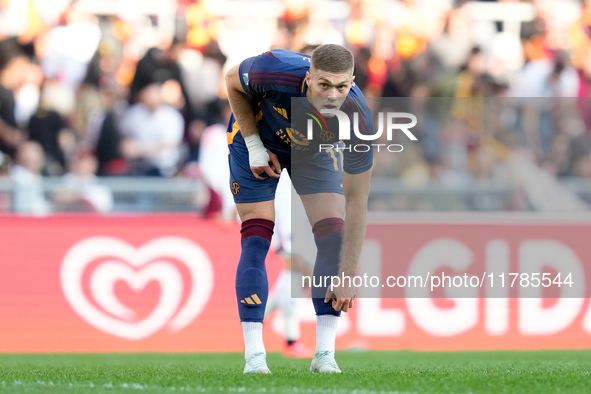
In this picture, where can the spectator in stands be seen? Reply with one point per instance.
(11, 78)
(153, 133)
(202, 75)
(103, 135)
(70, 46)
(23, 78)
(29, 196)
(48, 128)
(584, 166)
(560, 154)
(488, 177)
(544, 78)
(81, 191)
(158, 66)
(214, 170)
(453, 46)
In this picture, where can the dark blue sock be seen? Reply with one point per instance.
(252, 286)
(329, 237)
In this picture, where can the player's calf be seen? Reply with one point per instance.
(252, 290)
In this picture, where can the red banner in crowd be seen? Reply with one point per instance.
(166, 283)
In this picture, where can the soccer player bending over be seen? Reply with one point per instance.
(334, 189)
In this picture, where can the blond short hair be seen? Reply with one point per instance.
(332, 58)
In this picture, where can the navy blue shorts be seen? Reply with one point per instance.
(321, 172)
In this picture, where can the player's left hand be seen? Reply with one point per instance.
(271, 167)
(341, 297)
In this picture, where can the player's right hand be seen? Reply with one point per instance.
(272, 169)
(341, 297)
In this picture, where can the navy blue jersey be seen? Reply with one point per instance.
(273, 79)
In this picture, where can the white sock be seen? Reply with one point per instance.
(253, 338)
(326, 332)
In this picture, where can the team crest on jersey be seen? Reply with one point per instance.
(235, 188)
(245, 78)
(327, 136)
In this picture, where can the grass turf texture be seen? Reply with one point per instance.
(365, 372)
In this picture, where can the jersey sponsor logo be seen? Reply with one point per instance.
(98, 272)
(245, 78)
(235, 188)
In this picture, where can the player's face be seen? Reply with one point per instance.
(328, 90)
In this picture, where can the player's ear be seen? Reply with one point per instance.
(308, 77)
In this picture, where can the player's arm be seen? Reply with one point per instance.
(242, 106)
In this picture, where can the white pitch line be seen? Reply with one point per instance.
(198, 389)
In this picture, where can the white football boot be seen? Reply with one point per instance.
(324, 362)
(257, 363)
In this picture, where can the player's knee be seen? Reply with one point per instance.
(262, 228)
(256, 240)
(253, 276)
(330, 238)
(328, 226)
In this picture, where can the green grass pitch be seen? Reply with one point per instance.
(363, 373)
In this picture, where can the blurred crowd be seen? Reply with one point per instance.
(118, 92)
